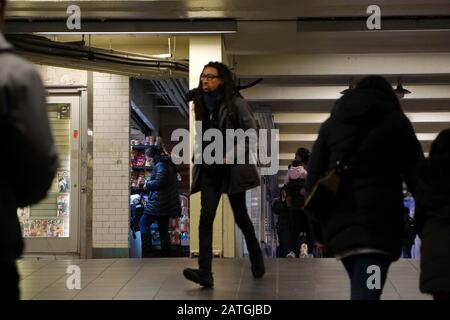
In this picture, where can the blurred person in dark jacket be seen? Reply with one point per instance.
(163, 201)
(281, 212)
(409, 234)
(432, 217)
(295, 199)
(365, 226)
(302, 155)
(28, 154)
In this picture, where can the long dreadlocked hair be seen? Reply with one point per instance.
(228, 85)
(2, 6)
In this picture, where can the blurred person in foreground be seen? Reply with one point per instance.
(28, 154)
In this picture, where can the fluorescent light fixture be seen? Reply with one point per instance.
(132, 32)
(425, 23)
(112, 27)
(161, 56)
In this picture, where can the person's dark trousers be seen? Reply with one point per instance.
(10, 280)
(211, 192)
(284, 240)
(357, 269)
(294, 230)
(304, 227)
(406, 251)
(242, 219)
(441, 296)
(146, 238)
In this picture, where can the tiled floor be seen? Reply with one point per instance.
(136, 279)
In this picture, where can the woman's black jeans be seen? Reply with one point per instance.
(357, 267)
(211, 191)
(146, 237)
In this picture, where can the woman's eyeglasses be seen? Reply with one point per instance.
(208, 77)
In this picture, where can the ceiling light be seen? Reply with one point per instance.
(115, 27)
(161, 56)
(346, 90)
(400, 91)
(350, 87)
(405, 23)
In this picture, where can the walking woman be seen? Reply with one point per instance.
(218, 105)
(369, 132)
(163, 201)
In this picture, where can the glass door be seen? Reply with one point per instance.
(51, 226)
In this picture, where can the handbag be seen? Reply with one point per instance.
(320, 202)
(323, 196)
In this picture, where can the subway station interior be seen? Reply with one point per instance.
(118, 82)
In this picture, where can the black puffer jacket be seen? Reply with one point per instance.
(369, 213)
(163, 199)
(433, 223)
(280, 209)
(295, 198)
(29, 161)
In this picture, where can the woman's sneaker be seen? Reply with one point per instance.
(291, 255)
(202, 277)
(304, 251)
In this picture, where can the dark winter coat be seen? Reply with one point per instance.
(409, 229)
(369, 210)
(163, 198)
(295, 198)
(433, 223)
(281, 210)
(238, 177)
(29, 160)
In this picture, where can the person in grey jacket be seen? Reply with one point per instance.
(219, 106)
(29, 160)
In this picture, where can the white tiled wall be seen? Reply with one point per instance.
(111, 156)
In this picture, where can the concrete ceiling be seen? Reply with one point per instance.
(281, 37)
(234, 9)
(303, 71)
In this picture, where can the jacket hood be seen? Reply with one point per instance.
(362, 106)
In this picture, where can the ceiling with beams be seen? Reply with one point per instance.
(313, 66)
